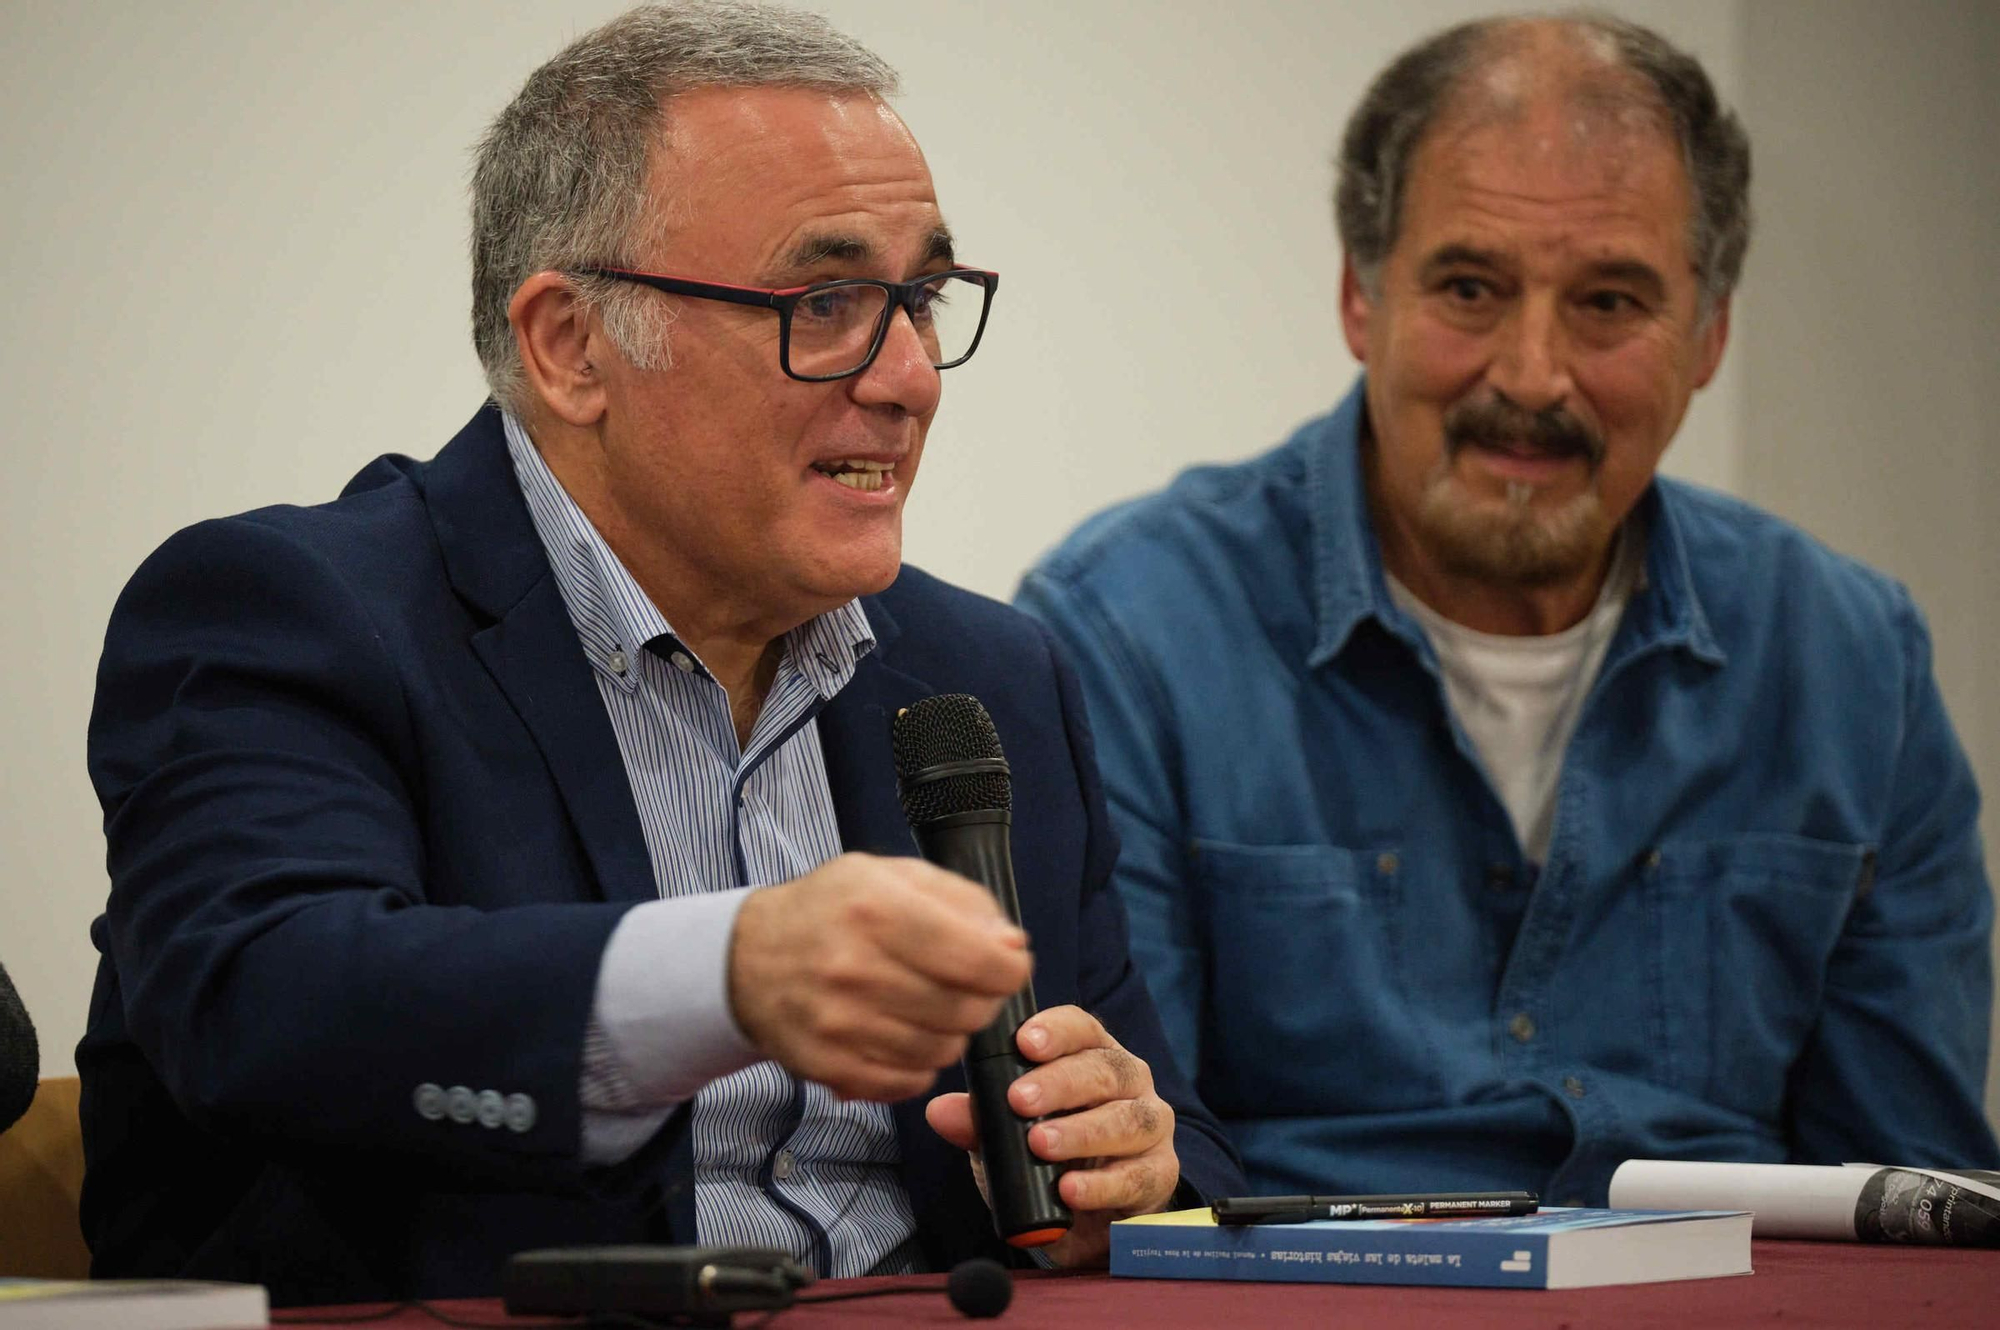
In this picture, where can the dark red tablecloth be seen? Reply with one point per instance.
(1795, 1284)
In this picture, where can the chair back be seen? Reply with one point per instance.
(41, 1178)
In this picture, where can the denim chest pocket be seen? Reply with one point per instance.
(1305, 996)
(1747, 925)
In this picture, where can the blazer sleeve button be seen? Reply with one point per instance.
(519, 1113)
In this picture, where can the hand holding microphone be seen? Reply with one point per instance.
(959, 797)
(1093, 1103)
(868, 974)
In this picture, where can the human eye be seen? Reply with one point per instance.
(1609, 303)
(933, 296)
(829, 304)
(1466, 289)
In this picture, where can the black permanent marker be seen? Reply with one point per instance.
(1432, 1205)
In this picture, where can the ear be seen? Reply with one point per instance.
(558, 342)
(1713, 336)
(1356, 309)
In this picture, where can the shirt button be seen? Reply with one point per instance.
(682, 662)
(1573, 1087)
(616, 660)
(1386, 863)
(518, 1112)
(1522, 1027)
(461, 1103)
(430, 1101)
(784, 1165)
(1500, 877)
(492, 1109)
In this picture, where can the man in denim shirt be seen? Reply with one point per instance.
(1494, 811)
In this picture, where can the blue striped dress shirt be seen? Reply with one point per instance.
(778, 1161)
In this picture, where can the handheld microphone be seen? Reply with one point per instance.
(959, 796)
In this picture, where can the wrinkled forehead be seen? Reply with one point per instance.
(743, 163)
(737, 138)
(1553, 150)
(1513, 134)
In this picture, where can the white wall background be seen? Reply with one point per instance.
(233, 246)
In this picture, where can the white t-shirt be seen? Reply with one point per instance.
(1519, 697)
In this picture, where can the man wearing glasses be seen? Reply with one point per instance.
(476, 839)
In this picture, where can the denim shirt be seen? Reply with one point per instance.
(1761, 932)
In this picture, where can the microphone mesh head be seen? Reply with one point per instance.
(979, 1287)
(951, 727)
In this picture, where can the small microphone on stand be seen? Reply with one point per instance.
(958, 795)
(705, 1285)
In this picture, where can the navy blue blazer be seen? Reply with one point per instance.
(369, 831)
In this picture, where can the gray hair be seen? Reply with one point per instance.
(560, 179)
(1406, 98)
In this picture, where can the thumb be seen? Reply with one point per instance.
(950, 1116)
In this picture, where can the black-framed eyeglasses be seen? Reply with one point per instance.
(830, 330)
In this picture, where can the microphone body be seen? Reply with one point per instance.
(1026, 1208)
(939, 779)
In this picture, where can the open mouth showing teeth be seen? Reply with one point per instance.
(857, 475)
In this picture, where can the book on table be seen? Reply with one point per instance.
(131, 1304)
(1556, 1247)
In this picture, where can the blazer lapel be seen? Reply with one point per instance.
(854, 730)
(535, 657)
(497, 564)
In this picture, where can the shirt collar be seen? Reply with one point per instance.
(1348, 580)
(615, 618)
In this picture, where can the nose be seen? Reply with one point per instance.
(902, 374)
(1531, 361)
